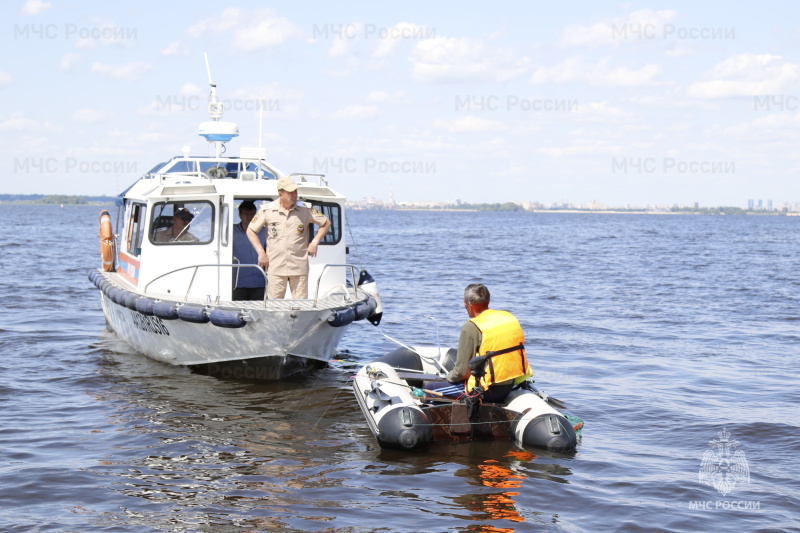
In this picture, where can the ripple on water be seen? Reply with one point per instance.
(657, 331)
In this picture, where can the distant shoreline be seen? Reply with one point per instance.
(507, 207)
(55, 199)
(578, 211)
(65, 204)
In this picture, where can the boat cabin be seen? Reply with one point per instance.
(177, 226)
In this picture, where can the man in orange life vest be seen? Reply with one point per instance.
(492, 333)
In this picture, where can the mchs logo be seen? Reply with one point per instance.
(723, 466)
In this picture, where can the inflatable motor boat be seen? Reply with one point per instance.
(403, 414)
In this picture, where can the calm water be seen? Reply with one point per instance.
(658, 331)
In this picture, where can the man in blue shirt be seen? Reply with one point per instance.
(248, 283)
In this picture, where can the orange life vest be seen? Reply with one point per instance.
(500, 332)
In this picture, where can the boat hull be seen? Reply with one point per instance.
(259, 343)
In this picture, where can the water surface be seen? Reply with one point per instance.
(658, 331)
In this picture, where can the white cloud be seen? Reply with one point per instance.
(777, 132)
(88, 115)
(356, 112)
(340, 47)
(382, 97)
(68, 60)
(574, 70)
(345, 38)
(680, 52)
(151, 136)
(672, 99)
(274, 99)
(584, 148)
(266, 33)
(748, 75)
(402, 31)
(105, 33)
(251, 30)
(269, 91)
(34, 7)
(34, 144)
(601, 110)
(450, 59)
(189, 98)
(229, 19)
(175, 49)
(126, 72)
(191, 89)
(645, 24)
(469, 124)
(348, 66)
(18, 123)
(5, 79)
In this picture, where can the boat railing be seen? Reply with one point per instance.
(183, 174)
(210, 265)
(353, 270)
(303, 175)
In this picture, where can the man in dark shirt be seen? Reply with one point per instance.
(248, 282)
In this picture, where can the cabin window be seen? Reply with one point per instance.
(220, 170)
(135, 235)
(334, 214)
(331, 210)
(260, 202)
(156, 168)
(182, 223)
(265, 174)
(184, 166)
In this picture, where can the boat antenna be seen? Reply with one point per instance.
(260, 122)
(215, 108)
(261, 102)
(216, 131)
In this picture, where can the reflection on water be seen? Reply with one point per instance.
(282, 455)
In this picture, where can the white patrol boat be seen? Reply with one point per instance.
(168, 292)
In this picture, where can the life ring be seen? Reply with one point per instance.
(106, 241)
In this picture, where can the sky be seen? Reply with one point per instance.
(634, 103)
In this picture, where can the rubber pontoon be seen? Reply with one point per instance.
(401, 413)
